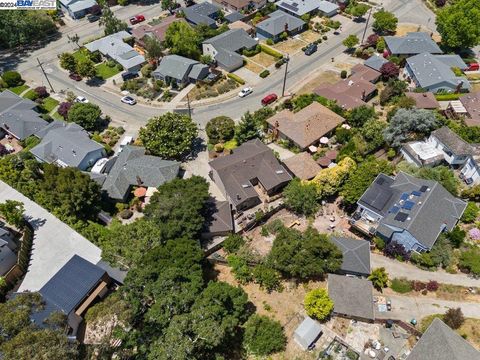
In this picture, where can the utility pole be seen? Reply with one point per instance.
(45, 74)
(189, 108)
(366, 25)
(287, 60)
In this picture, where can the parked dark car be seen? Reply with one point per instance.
(311, 49)
(75, 77)
(129, 75)
(269, 99)
(92, 18)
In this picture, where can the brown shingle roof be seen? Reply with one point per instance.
(424, 100)
(308, 125)
(366, 73)
(471, 102)
(157, 31)
(302, 166)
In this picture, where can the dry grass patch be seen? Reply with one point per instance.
(290, 46)
(326, 77)
(310, 36)
(257, 69)
(475, 87)
(263, 59)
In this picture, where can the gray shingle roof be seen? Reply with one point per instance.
(175, 66)
(66, 142)
(356, 254)
(412, 43)
(220, 217)
(234, 16)
(81, 5)
(440, 342)
(17, 115)
(327, 7)
(233, 40)
(434, 208)
(375, 62)
(133, 167)
(201, 13)
(431, 70)
(198, 71)
(275, 24)
(299, 8)
(351, 296)
(454, 142)
(307, 332)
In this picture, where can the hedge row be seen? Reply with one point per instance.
(264, 74)
(268, 50)
(237, 78)
(447, 97)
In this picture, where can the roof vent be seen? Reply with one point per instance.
(279, 172)
(245, 186)
(238, 197)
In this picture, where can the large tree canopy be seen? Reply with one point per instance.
(85, 115)
(183, 40)
(110, 22)
(263, 336)
(458, 24)
(409, 124)
(384, 22)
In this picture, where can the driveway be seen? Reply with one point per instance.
(54, 242)
(398, 269)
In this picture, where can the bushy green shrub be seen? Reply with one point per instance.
(343, 74)
(12, 78)
(264, 74)
(237, 78)
(269, 51)
(401, 285)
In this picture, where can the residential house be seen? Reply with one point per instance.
(278, 23)
(114, 47)
(440, 342)
(18, 117)
(249, 176)
(356, 255)
(361, 71)
(7, 257)
(71, 291)
(238, 5)
(133, 168)
(434, 73)
(225, 48)
(77, 9)
(203, 13)
(468, 108)
(307, 333)
(310, 7)
(156, 31)
(234, 16)
(67, 145)
(424, 100)
(306, 127)
(413, 43)
(352, 297)
(302, 166)
(375, 62)
(180, 70)
(219, 220)
(410, 211)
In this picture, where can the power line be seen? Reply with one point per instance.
(45, 74)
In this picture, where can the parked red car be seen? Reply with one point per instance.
(75, 77)
(137, 19)
(269, 99)
(473, 67)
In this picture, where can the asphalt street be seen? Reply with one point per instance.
(300, 66)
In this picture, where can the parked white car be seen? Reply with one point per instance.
(81, 99)
(129, 100)
(245, 91)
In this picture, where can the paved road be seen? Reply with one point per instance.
(407, 307)
(399, 269)
(133, 117)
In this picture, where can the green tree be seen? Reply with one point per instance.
(318, 304)
(183, 40)
(301, 197)
(247, 128)
(13, 211)
(456, 236)
(110, 22)
(170, 135)
(168, 4)
(458, 24)
(12, 78)
(358, 116)
(175, 218)
(379, 278)
(393, 90)
(233, 243)
(303, 255)
(350, 41)
(471, 212)
(68, 62)
(86, 68)
(470, 260)
(206, 59)
(263, 336)
(220, 129)
(240, 268)
(153, 47)
(384, 22)
(359, 10)
(86, 115)
(406, 125)
(454, 318)
(266, 277)
(372, 133)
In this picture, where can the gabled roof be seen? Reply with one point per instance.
(251, 160)
(454, 142)
(233, 40)
(17, 115)
(114, 46)
(177, 67)
(219, 218)
(278, 22)
(302, 166)
(375, 62)
(471, 102)
(307, 332)
(234, 16)
(356, 254)
(425, 100)
(327, 7)
(440, 342)
(157, 31)
(81, 5)
(412, 43)
(299, 8)
(133, 167)
(202, 13)
(431, 70)
(348, 93)
(351, 296)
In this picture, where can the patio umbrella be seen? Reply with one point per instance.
(312, 149)
(140, 192)
(331, 154)
(346, 127)
(323, 161)
(324, 140)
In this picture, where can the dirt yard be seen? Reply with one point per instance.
(290, 46)
(326, 77)
(263, 59)
(310, 36)
(257, 69)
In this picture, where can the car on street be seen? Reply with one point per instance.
(473, 67)
(269, 99)
(92, 18)
(81, 99)
(128, 100)
(245, 91)
(311, 48)
(137, 19)
(129, 75)
(75, 77)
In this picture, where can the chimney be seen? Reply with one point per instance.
(286, 27)
(363, 95)
(238, 197)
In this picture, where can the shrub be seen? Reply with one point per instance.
(12, 78)
(318, 304)
(379, 243)
(343, 74)
(241, 271)
(146, 70)
(471, 212)
(263, 336)
(266, 277)
(268, 50)
(237, 78)
(401, 285)
(64, 108)
(418, 285)
(454, 318)
(396, 250)
(283, 36)
(279, 64)
(220, 129)
(269, 42)
(432, 285)
(95, 56)
(324, 37)
(233, 243)
(264, 74)
(252, 52)
(126, 214)
(41, 92)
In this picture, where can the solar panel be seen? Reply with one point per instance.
(423, 188)
(394, 210)
(288, 6)
(404, 196)
(416, 193)
(401, 216)
(408, 205)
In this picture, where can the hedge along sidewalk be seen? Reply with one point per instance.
(270, 51)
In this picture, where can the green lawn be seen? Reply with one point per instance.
(57, 116)
(30, 94)
(81, 54)
(18, 89)
(104, 72)
(49, 104)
